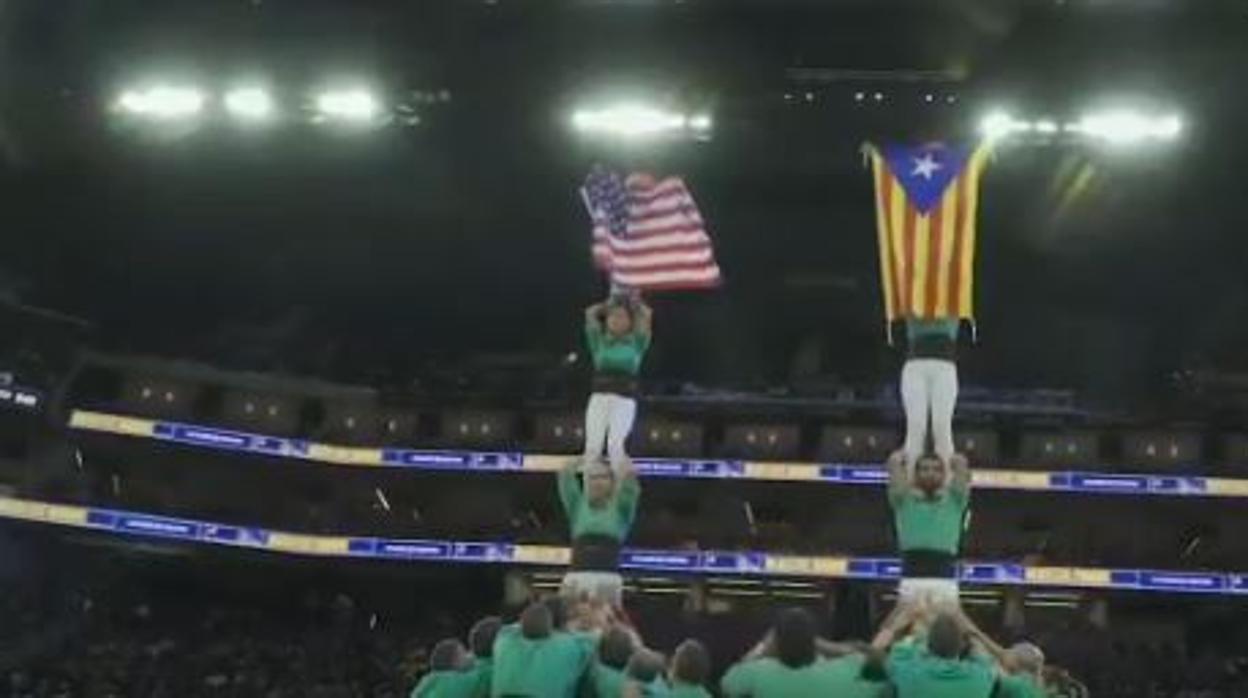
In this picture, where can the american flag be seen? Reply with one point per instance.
(648, 234)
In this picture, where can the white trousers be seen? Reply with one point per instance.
(603, 587)
(929, 391)
(937, 594)
(608, 421)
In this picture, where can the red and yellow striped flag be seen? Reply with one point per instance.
(926, 199)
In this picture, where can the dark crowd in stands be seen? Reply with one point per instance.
(96, 625)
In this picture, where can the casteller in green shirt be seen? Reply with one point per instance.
(613, 519)
(679, 689)
(620, 355)
(550, 667)
(450, 684)
(1020, 686)
(917, 673)
(770, 678)
(934, 523)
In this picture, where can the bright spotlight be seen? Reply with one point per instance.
(630, 121)
(1045, 126)
(350, 105)
(250, 103)
(162, 102)
(700, 122)
(998, 124)
(1126, 127)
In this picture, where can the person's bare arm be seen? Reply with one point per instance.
(593, 314)
(765, 648)
(898, 477)
(645, 318)
(833, 650)
(960, 472)
(1001, 655)
(902, 618)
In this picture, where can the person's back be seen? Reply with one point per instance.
(768, 677)
(940, 667)
(450, 675)
(535, 661)
(788, 666)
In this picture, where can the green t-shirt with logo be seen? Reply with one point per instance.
(550, 667)
(916, 673)
(613, 519)
(931, 524)
(769, 678)
(449, 684)
(616, 354)
(1020, 686)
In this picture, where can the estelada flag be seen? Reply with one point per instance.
(925, 201)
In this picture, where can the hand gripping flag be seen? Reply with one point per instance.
(925, 202)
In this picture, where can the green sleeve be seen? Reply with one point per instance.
(960, 495)
(642, 341)
(626, 499)
(897, 497)
(569, 491)
(593, 337)
(739, 681)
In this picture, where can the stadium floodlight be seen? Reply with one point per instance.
(355, 105)
(1127, 127)
(249, 104)
(630, 120)
(999, 124)
(162, 102)
(1045, 126)
(700, 122)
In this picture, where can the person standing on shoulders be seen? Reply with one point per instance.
(930, 514)
(618, 334)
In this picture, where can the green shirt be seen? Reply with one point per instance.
(931, 524)
(915, 673)
(945, 327)
(685, 690)
(1020, 686)
(616, 354)
(608, 682)
(769, 678)
(551, 667)
(614, 518)
(449, 684)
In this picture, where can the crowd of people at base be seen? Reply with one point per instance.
(559, 649)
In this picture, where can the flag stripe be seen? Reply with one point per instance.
(896, 215)
(948, 225)
(933, 260)
(959, 242)
(910, 225)
(887, 280)
(971, 176)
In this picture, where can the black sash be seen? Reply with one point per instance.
(622, 384)
(928, 564)
(595, 553)
(934, 346)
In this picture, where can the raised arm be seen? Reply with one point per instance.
(898, 477)
(570, 486)
(960, 473)
(628, 489)
(1001, 655)
(593, 315)
(645, 318)
(895, 625)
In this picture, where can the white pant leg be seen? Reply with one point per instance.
(623, 412)
(915, 399)
(597, 413)
(936, 594)
(944, 398)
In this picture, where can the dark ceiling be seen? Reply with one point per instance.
(344, 256)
